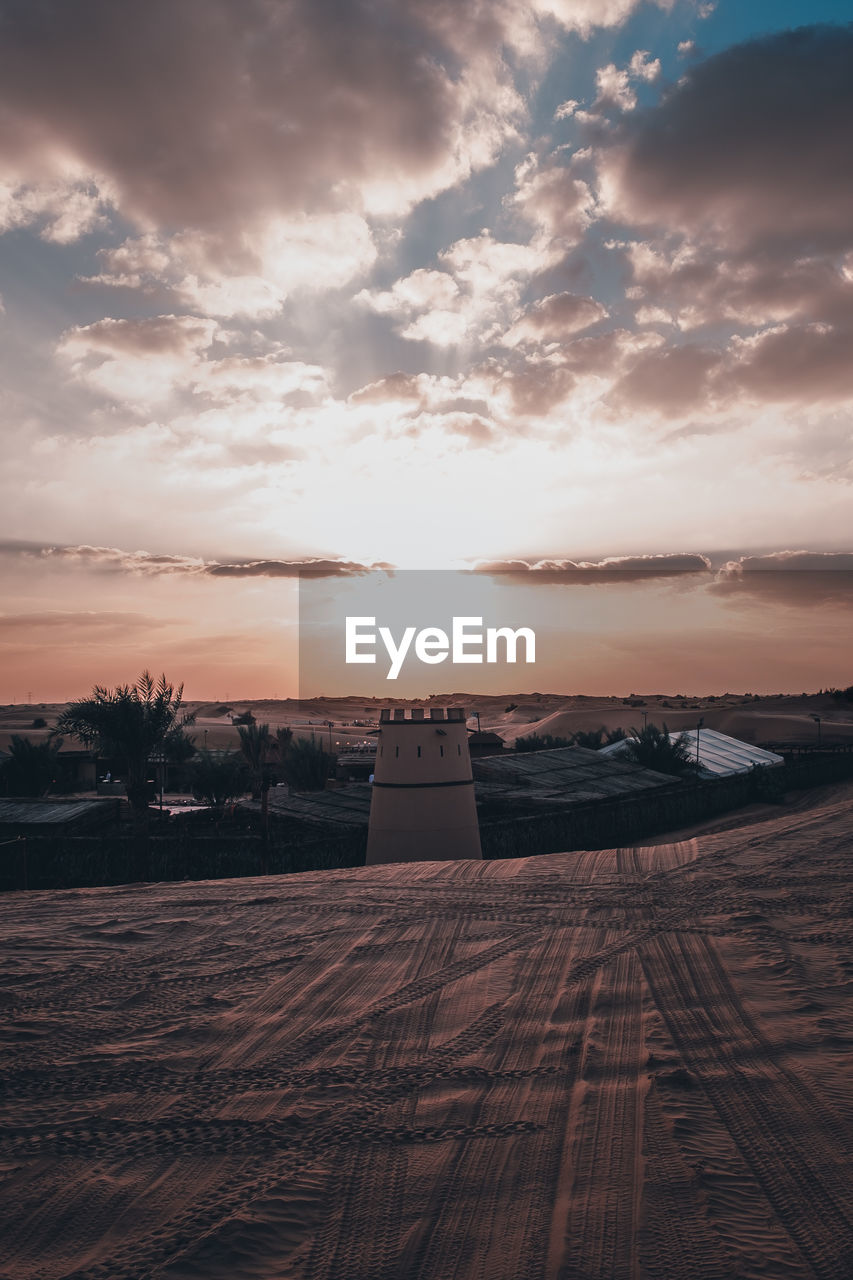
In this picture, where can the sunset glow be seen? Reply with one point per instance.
(554, 281)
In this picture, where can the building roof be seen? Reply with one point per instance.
(347, 806)
(529, 780)
(54, 814)
(719, 755)
(563, 774)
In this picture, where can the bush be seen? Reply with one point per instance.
(39, 723)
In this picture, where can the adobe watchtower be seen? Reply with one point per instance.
(422, 807)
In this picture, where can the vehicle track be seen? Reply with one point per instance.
(782, 1132)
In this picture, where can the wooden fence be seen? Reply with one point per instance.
(68, 862)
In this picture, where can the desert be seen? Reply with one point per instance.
(626, 1063)
(426, 581)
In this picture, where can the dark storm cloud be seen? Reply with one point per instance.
(752, 145)
(208, 113)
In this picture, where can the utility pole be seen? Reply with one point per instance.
(698, 727)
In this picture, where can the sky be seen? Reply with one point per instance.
(554, 286)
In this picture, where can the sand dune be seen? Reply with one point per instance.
(621, 1064)
(770, 719)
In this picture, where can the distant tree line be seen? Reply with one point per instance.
(592, 739)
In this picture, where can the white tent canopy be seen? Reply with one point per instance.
(719, 755)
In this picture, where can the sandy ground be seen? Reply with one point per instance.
(622, 1065)
(779, 718)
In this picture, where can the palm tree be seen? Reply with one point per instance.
(217, 777)
(129, 724)
(654, 749)
(31, 767)
(306, 765)
(257, 745)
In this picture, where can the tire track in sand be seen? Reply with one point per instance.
(796, 1156)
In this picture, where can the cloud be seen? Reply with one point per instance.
(142, 362)
(536, 387)
(584, 15)
(472, 297)
(212, 111)
(751, 145)
(702, 285)
(671, 381)
(615, 84)
(139, 361)
(556, 199)
(611, 570)
(809, 363)
(315, 568)
(555, 317)
(795, 579)
(148, 563)
(67, 206)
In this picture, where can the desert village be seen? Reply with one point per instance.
(449, 1046)
(544, 776)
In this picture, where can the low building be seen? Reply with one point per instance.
(355, 766)
(56, 817)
